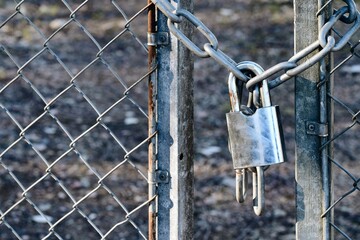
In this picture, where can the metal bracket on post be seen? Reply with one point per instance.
(162, 176)
(158, 39)
(318, 129)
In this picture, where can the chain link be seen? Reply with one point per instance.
(209, 49)
(290, 67)
(347, 14)
(167, 9)
(330, 24)
(200, 26)
(352, 12)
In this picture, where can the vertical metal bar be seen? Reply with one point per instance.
(151, 125)
(326, 117)
(175, 133)
(164, 77)
(308, 172)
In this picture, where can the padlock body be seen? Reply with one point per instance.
(256, 140)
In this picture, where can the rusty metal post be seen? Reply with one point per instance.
(175, 132)
(312, 174)
(151, 124)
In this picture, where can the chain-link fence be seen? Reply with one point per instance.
(73, 120)
(343, 157)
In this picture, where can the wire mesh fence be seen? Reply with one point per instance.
(344, 142)
(73, 120)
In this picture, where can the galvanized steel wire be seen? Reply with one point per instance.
(72, 176)
(330, 41)
(343, 143)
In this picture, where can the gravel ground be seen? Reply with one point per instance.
(260, 31)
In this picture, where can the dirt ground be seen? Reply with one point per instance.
(44, 130)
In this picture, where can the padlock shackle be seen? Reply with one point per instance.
(258, 190)
(241, 184)
(249, 66)
(265, 94)
(234, 93)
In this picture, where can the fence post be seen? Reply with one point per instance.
(311, 173)
(175, 133)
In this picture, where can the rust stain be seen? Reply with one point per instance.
(151, 28)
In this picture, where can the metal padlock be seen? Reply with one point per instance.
(255, 136)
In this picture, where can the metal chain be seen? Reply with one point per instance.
(347, 14)
(330, 45)
(209, 49)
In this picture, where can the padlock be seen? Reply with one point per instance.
(255, 139)
(255, 135)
